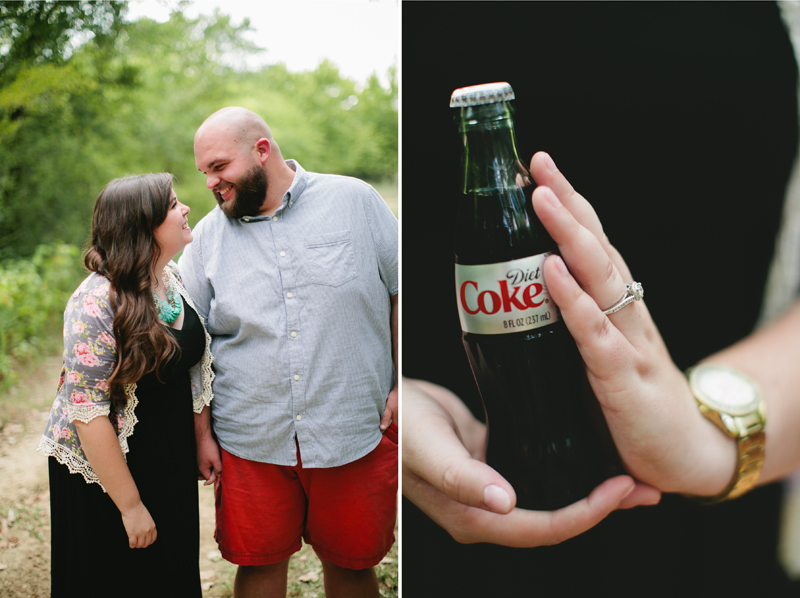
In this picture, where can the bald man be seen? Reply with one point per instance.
(296, 274)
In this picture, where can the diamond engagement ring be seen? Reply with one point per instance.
(633, 292)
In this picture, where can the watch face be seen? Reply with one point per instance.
(724, 389)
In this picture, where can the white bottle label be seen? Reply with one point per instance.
(505, 297)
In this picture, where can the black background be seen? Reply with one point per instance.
(678, 121)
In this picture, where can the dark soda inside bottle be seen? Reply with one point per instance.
(546, 432)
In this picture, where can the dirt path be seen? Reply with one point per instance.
(25, 514)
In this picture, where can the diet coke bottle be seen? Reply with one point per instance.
(546, 432)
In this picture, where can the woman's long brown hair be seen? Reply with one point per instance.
(124, 250)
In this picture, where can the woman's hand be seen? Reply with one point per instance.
(445, 476)
(139, 526)
(659, 432)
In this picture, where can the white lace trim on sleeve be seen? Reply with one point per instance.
(129, 419)
(86, 413)
(76, 464)
(67, 457)
(204, 397)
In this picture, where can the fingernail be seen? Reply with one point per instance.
(558, 262)
(496, 499)
(551, 197)
(548, 162)
(628, 493)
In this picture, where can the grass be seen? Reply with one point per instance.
(27, 516)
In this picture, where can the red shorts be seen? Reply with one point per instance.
(346, 513)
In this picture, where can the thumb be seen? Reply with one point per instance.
(448, 467)
(386, 418)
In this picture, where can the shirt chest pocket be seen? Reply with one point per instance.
(331, 260)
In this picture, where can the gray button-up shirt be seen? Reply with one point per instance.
(298, 308)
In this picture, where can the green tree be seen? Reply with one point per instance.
(37, 32)
(129, 99)
(45, 114)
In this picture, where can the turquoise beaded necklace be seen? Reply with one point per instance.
(171, 308)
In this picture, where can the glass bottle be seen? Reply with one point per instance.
(546, 432)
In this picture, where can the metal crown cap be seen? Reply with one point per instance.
(487, 93)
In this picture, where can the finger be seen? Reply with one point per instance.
(386, 418)
(641, 495)
(205, 473)
(435, 453)
(455, 473)
(148, 539)
(212, 477)
(545, 172)
(471, 431)
(588, 261)
(524, 529)
(603, 347)
(553, 527)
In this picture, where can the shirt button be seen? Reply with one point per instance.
(299, 417)
(296, 377)
(294, 334)
(289, 295)
(274, 218)
(283, 254)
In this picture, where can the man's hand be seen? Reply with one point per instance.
(209, 460)
(443, 474)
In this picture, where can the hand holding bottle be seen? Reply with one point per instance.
(546, 433)
(654, 420)
(445, 476)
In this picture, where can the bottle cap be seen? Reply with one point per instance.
(475, 95)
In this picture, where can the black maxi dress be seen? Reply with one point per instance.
(90, 552)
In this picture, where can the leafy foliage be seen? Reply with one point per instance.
(36, 32)
(130, 99)
(86, 97)
(33, 294)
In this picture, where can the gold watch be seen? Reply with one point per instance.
(734, 403)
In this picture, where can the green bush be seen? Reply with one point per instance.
(33, 294)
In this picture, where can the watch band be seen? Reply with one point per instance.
(751, 457)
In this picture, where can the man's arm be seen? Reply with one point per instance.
(192, 272)
(190, 266)
(391, 411)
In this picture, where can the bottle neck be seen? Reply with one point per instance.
(490, 158)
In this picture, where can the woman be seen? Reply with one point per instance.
(136, 365)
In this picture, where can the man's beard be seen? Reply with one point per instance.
(249, 194)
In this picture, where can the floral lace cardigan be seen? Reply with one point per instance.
(90, 356)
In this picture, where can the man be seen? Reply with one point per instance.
(296, 275)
